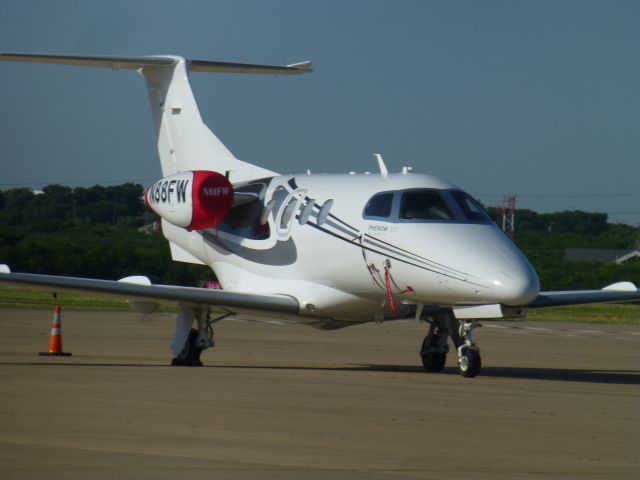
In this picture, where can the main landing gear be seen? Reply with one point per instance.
(189, 343)
(435, 345)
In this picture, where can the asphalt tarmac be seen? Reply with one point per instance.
(288, 402)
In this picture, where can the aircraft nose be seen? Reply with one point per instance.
(518, 286)
(512, 279)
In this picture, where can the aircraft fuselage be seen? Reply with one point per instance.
(346, 246)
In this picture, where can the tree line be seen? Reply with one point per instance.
(87, 232)
(544, 237)
(96, 232)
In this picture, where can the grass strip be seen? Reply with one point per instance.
(27, 299)
(612, 313)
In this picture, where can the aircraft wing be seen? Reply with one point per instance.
(242, 302)
(238, 301)
(618, 292)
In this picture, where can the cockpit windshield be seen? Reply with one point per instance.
(425, 205)
(470, 207)
(379, 205)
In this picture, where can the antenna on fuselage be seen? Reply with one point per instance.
(383, 168)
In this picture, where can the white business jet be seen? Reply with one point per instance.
(328, 251)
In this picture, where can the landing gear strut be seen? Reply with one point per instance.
(435, 347)
(190, 354)
(193, 341)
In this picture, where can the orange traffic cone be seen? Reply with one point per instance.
(55, 340)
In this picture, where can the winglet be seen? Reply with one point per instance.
(305, 66)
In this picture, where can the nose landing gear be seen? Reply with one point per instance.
(435, 347)
(469, 362)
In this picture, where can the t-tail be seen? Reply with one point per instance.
(185, 143)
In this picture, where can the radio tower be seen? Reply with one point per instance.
(508, 209)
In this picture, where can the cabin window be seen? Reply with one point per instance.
(470, 207)
(424, 205)
(379, 205)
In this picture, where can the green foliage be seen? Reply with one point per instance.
(58, 207)
(573, 222)
(87, 232)
(17, 298)
(543, 238)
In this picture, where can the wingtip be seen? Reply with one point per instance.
(306, 66)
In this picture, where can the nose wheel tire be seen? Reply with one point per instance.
(469, 363)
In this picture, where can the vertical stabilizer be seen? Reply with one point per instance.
(184, 141)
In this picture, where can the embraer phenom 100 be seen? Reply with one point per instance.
(328, 251)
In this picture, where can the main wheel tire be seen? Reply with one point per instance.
(469, 364)
(432, 361)
(190, 355)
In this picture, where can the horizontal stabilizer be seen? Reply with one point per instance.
(135, 63)
(115, 63)
(226, 67)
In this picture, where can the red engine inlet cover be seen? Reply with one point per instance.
(212, 198)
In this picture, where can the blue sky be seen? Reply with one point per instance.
(538, 98)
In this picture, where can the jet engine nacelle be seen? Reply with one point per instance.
(195, 200)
